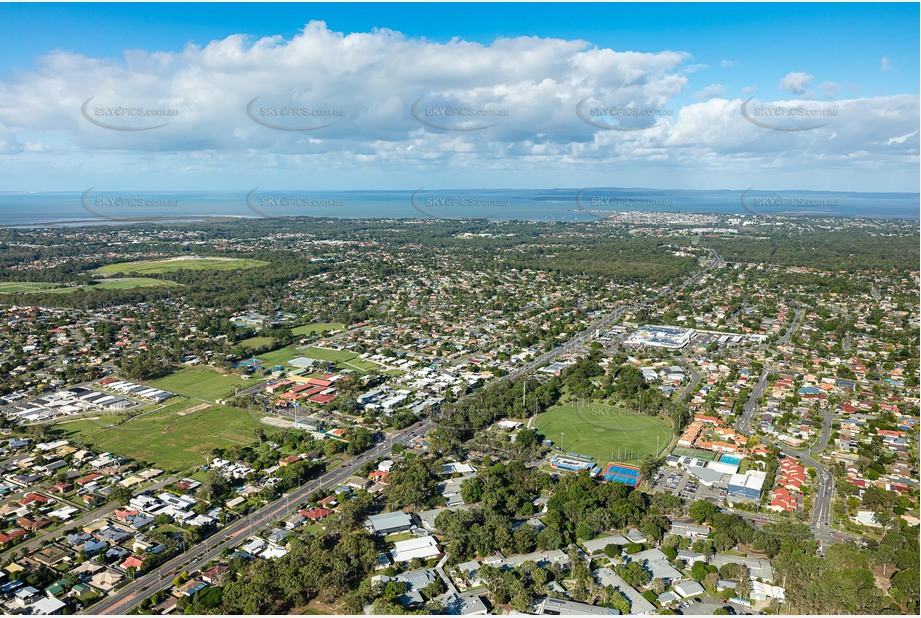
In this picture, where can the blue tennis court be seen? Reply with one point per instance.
(619, 473)
(625, 470)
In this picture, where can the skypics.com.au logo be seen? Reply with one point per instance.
(126, 117)
(620, 117)
(787, 117)
(271, 204)
(447, 113)
(128, 207)
(599, 203)
(289, 113)
(772, 205)
(454, 206)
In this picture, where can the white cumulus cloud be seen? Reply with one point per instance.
(383, 107)
(796, 82)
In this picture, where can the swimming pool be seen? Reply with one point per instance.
(730, 460)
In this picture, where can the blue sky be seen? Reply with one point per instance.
(835, 87)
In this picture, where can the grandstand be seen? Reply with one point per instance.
(571, 464)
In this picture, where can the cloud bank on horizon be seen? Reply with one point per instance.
(381, 110)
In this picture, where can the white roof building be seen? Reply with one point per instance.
(457, 468)
(866, 518)
(689, 588)
(272, 552)
(657, 564)
(757, 567)
(420, 547)
(388, 523)
(668, 597)
(47, 606)
(764, 592)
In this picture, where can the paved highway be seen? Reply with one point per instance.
(823, 495)
(743, 423)
(825, 482)
(797, 316)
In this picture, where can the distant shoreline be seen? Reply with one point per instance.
(18, 209)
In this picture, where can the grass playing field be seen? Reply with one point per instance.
(345, 360)
(279, 356)
(604, 433)
(125, 283)
(11, 287)
(122, 283)
(337, 356)
(317, 327)
(173, 264)
(201, 383)
(170, 438)
(256, 342)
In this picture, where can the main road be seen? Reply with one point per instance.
(823, 496)
(743, 423)
(125, 598)
(825, 483)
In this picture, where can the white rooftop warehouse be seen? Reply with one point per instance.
(420, 547)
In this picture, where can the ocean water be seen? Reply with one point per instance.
(99, 207)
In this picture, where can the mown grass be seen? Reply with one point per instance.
(604, 433)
